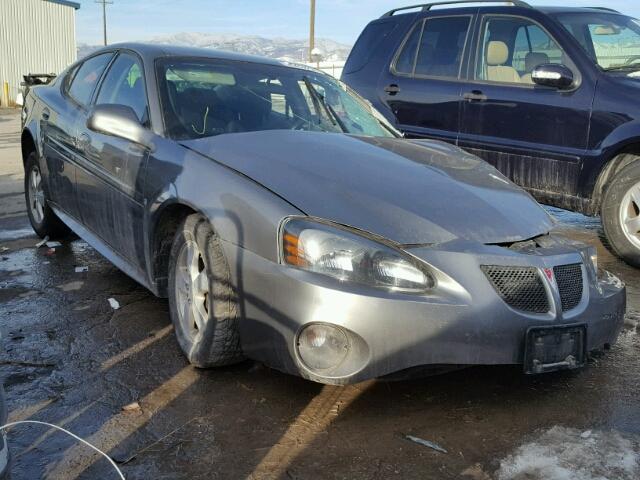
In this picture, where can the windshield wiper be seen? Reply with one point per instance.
(622, 68)
(318, 100)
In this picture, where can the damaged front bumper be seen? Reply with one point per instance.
(465, 321)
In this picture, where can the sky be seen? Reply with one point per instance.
(340, 20)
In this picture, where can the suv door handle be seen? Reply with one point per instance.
(392, 89)
(475, 96)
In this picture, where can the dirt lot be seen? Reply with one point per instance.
(68, 358)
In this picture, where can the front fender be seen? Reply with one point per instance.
(242, 212)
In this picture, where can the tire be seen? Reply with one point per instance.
(620, 213)
(204, 311)
(43, 220)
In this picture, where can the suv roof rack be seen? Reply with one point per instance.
(427, 6)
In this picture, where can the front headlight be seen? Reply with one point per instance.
(351, 256)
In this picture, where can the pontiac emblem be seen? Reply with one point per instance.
(549, 273)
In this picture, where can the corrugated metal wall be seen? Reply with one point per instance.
(36, 36)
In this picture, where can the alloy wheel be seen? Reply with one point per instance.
(630, 215)
(36, 195)
(192, 290)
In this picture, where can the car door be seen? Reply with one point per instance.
(111, 182)
(535, 135)
(59, 118)
(422, 86)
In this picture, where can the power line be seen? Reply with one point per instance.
(104, 16)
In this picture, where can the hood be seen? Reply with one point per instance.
(411, 192)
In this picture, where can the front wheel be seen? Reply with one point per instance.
(202, 300)
(621, 213)
(43, 220)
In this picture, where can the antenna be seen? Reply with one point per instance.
(104, 16)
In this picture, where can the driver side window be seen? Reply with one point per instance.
(512, 47)
(124, 85)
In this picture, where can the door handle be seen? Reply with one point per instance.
(46, 114)
(392, 89)
(475, 96)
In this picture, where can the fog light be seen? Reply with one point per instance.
(322, 346)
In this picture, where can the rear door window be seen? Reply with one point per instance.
(440, 48)
(87, 76)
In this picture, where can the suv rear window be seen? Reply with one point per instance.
(367, 43)
(440, 44)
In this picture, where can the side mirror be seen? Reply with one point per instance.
(120, 121)
(553, 75)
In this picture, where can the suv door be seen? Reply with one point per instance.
(535, 135)
(110, 186)
(422, 86)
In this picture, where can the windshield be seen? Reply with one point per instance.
(207, 97)
(612, 40)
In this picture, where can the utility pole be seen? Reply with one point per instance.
(104, 16)
(312, 27)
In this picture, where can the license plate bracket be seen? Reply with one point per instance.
(548, 349)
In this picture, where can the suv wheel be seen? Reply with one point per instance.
(621, 213)
(43, 220)
(202, 301)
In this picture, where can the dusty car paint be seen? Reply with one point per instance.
(398, 189)
(447, 205)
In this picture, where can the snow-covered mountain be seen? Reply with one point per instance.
(281, 48)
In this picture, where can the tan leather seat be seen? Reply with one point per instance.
(531, 61)
(497, 71)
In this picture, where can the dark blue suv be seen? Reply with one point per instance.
(550, 96)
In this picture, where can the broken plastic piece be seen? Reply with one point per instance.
(53, 244)
(82, 269)
(114, 303)
(426, 443)
(42, 242)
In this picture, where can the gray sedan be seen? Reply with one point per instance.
(288, 222)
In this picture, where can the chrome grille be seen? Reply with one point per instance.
(569, 281)
(519, 287)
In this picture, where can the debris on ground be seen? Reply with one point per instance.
(53, 244)
(4, 249)
(475, 472)
(82, 269)
(132, 407)
(114, 303)
(42, 242)
(50, 251)
(426, 443)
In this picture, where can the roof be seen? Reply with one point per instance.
(66, 3)
(156, 50)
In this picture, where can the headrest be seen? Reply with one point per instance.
(497, 53)
(533, 59)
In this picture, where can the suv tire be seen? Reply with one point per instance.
(620, 213)
(202, 301)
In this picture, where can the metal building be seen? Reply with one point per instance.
(36, 36)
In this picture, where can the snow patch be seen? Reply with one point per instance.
(566, 454)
